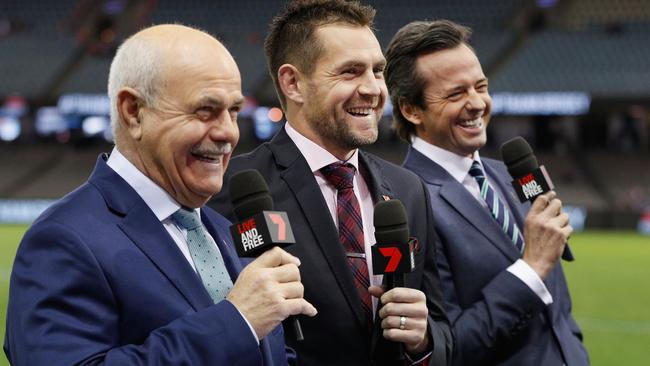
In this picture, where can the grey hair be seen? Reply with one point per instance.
(136, 65)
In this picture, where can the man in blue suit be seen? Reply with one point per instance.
(130, 268)
(504, 289)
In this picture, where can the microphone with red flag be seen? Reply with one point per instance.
(530, 179)
(259, 227)
(393, 254)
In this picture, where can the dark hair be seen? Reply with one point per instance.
(291, 34)
(402, 77)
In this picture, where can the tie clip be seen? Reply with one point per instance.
(355, 255)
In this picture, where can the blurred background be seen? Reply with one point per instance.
(570, 76)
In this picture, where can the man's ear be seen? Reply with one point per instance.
(291, 83)
(129, 108)
(412, 113)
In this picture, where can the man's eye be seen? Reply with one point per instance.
(455, 95)
(204, 111)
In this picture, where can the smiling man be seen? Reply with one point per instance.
(130, 269)
(327, 66)
(505, 292)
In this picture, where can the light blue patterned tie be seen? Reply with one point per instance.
(205, 255)
(498, 209)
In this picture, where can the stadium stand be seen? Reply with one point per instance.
(596, 46)
(600, 63)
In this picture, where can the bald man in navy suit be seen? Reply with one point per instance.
(130, 268)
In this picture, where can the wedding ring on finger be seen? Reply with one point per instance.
(402, 322)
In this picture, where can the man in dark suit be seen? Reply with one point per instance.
(504, 289)
(130, 269)
(327, 66)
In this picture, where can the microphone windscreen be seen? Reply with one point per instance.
(249, 194)
(518, 157)
(391, 224)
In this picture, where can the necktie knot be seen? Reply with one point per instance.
(340, 175)
(187, 219)
(476, 171)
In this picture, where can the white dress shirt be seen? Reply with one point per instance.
(458, 167)
(161, 204)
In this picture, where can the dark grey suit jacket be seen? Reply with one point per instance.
(497, 319)
(338, 334)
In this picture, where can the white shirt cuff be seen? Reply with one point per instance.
(528, 276)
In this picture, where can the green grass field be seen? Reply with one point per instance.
(609, 284)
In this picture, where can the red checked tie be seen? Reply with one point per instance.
(340, 175)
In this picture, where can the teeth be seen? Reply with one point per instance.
(212, 153)
(360, 111)
(478, 122)
(206, 157)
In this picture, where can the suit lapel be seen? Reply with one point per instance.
(379, 187)
(456, 196)
(297, 175)
(148, 234)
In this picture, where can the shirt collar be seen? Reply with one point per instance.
(456, 165)
(317, 157)
(158, 200)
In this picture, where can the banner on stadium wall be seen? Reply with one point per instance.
(21, 211)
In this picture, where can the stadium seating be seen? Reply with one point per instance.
(596, 46)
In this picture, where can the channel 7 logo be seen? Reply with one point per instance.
(393, 258)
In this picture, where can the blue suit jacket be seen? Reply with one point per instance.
(497, 319)
(98, 280)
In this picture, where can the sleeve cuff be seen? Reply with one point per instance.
(249, 325)
(528, 276)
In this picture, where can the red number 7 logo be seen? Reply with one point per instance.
(395, 257)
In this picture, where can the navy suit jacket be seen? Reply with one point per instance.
(497, 319)
(338, 334)
(97, 280)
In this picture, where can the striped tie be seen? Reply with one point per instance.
(498, 209)
(205, 255)
(341, 175)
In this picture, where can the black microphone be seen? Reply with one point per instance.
(393, 254)
(530, 180)
(259, 228)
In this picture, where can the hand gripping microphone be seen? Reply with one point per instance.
(259, 228)
(530, 180)
(392, 255)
